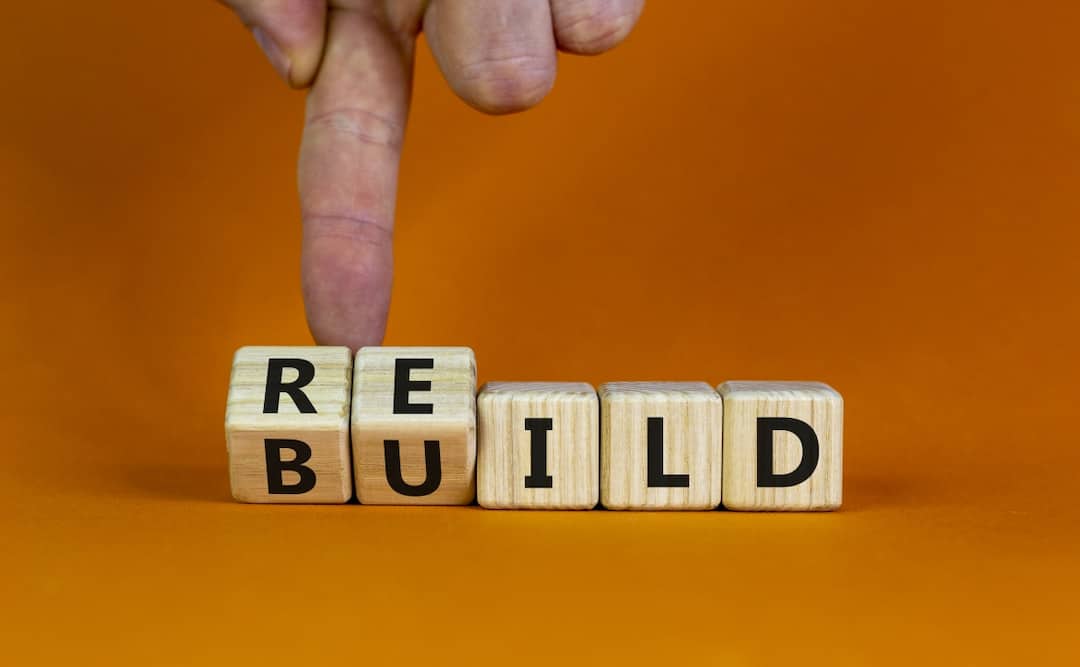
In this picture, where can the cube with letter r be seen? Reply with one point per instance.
(287, 425)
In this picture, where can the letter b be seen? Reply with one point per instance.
(275, 482)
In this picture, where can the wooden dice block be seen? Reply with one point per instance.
(287, 425)
(414, 425)
(660, 445)
(783, 446)
(539, 445)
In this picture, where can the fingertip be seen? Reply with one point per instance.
(291, 33)
(347, 277)
(592, 27)
(304, 65)
(499, 57)
(508, 86)
(306, 44)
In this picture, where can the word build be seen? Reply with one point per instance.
(406, 426)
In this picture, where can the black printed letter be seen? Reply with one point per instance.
(657, 477)
(274, 386)
(538, 477)
(275, 466)
(765, 475)
(403, 385)
(432, 461)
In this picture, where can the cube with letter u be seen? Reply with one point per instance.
(414, 425)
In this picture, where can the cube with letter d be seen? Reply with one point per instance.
(783, 446)
(287, 425)
(414, 425)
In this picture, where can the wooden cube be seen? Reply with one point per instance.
(287, 425)
(414, 425)
(660, 445)
(539, 445)
(783, 446)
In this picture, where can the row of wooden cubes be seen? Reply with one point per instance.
(405, 426)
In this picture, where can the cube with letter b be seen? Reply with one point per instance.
(539, 445)
(783, 446)
(414, 425)
(660, 445)
(287, 425)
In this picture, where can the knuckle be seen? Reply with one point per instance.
(509, 83)
(363, 125)
(347, 227)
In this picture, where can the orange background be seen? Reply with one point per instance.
(880, 195)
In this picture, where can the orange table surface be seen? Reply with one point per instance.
(879, 195)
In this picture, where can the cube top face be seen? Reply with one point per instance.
(384, 358)
(660, 445)
(446, 372)
(287, 425)
(539, 445)
(414, 425)
(565, 390)
(783, 446)
(632, 391)
(743, 390)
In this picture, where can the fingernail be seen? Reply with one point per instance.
(273, 52)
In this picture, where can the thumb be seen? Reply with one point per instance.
(290, 32)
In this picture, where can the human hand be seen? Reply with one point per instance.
(357, 57)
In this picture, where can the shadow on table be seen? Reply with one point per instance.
(176, 481)
(194, 482)
(877, 491)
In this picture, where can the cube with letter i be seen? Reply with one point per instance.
(414, 425)
(783, 446)
(539, 445)
(287, 425)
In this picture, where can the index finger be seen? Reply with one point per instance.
(356, 114)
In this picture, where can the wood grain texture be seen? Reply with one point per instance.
(452, 422)
(692, 421)
(326, 431)
(815, 403)
(505, 445)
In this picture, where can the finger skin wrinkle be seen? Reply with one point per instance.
(366, 126)
(347, 227)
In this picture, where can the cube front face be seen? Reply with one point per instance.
(414, 425)
(660, 445)
(287, 425)
(783, 446)
(539, 445)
